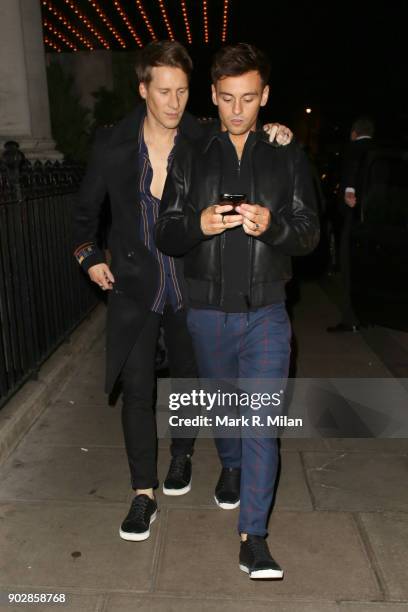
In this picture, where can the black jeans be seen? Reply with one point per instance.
(139, 382)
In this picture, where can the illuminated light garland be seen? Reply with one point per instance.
(127, 22)
(52, 44)
(108, 24)
(146, 19)
(166, 20)
(224, 22)
(59, 35)
(205, 17)
(87, 23)
(68, 25)
(186, 23)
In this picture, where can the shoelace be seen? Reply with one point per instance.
(177, 466)
(138, 507)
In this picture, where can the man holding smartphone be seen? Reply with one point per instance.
(236, 267)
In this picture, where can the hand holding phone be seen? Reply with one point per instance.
(234, 199)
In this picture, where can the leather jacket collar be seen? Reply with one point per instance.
(214, 132)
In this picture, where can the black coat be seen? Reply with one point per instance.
(113, 171)
(280, 179)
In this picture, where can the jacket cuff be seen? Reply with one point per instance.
(273, 233)
(88, 255)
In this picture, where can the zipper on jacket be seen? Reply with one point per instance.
(222, 247)
(251, 240)
(250, 246)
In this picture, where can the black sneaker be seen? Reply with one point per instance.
(136, 526)
(228, 488)
(178, 479)
(256, 560)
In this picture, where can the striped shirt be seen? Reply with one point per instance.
(168, 291)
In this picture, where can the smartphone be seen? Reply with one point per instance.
(235, 199)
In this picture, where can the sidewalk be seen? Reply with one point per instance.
(339, 528)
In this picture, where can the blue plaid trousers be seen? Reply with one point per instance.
(254, 345)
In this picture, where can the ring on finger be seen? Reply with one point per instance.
(223, 219)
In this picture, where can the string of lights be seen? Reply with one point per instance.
(186, 22)
(59, 35)
(87, 23)
(92, 37)
(166, 20)
(85, 41)
(224, 22)
(146, 19)
(107, 23)
(205, 18)
(50, 43)
(127, 22)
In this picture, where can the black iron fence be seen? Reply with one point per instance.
(43, 292)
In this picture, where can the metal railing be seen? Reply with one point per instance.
(43, 293)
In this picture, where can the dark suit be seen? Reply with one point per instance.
(352, 174)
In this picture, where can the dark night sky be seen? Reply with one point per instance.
(340, 58)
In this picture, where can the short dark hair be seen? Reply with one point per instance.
(234, 60)
(162, 53)
(363, 126)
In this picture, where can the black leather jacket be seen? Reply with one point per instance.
(280, 180)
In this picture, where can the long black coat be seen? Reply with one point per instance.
(113, 171)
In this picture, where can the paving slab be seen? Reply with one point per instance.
(127, 603)
(313, 548)
(72, 545)
(85, 391)
(358, 481)
(388, 536)
(77, 424)
(36, 472)
(349, 364)
(398, 446)
(304, 444)
(292, 494)
(99, 346)
(374, 606)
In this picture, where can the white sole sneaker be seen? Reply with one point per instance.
(175, 492)
(137, 537)
(265, 573)
(226, 506)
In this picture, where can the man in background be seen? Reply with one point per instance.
(361, 142)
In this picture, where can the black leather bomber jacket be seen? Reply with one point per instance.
(280, 180)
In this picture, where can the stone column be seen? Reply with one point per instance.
(24, 106)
